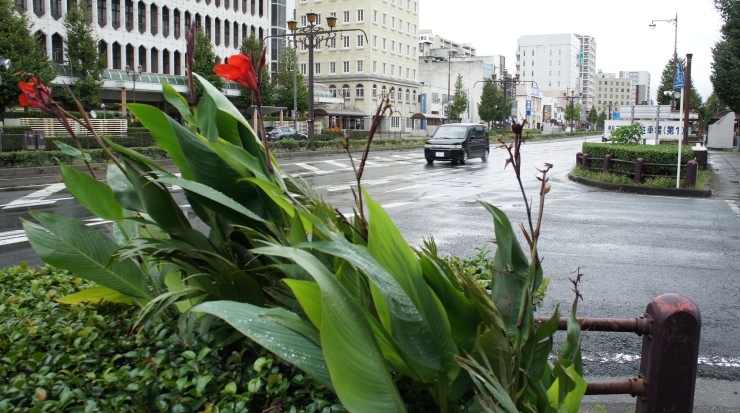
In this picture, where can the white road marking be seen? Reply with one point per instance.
(354, 184)
(715, 361)
(733, 205)
(402, 157)
(386, 206)
(409, 187)
(432, 196)
(37, 197)
(337, 163)
(307, 166)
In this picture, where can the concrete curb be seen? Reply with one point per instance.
(643, 190)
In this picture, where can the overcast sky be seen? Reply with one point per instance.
(624, 40)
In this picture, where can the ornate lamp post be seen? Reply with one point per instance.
(311, 36)
(572, 99)
(134, 75)
(675, 48)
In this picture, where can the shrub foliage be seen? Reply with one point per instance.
(660, 154)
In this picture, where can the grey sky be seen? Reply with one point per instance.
(623, 39)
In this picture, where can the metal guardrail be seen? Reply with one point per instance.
(670, 330)
(639, 173)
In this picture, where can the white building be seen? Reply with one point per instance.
(612, 92)
(587, 66)
(559, 64)
(362, 69)
(428, 41)
(436, 72)
(640, 89)
(149, 34)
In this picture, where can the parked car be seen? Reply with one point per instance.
(283, 132)
(458, 142)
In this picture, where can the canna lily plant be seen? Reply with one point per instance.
(347, 301)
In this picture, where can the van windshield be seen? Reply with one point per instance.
(450, 132)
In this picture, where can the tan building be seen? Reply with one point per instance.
(611, 92)
(428, 41)
(362, 69)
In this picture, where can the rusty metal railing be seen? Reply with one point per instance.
(670, 330)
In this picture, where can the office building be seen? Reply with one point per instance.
(640, 89)
(612, 92)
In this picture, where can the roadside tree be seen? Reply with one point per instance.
(21, 46)
(204, 58)
(84, 59)
(713, 106)
(726, 55)
(666, 83)
(491, 101)
(284, 83)
(459, 99)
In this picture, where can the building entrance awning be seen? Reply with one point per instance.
(339, 112)
(428, 116)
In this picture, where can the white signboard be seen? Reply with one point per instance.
(667, 130)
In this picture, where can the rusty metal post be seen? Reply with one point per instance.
(607, 166)
(579, 162)
(639, 170)
(692, 169)
(586, 161)
(669, 355)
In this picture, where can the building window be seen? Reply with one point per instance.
(227, 32)
(375, 41)
(360, 66)
(360, 15)
(117, 56)
(345, 40)
(375, 91)
(218, 31)
(360, 40)
(375, 66)
(304, 21)
(393, 46)
(359, 91)
(395, 122)
(142, 57)
(165, 22)
(393, 69)
(129, 15)
(304, 68)
(384, 42)
(38, 7)
(375, 16)
(165, 62)
(393, 23)
(236, 34)
(102, 13)
(154, 61)
(385, 19)
(345, 67)
(345, 91)
(176, 63)
(333, 70)
(400, 93)
(414, 98)
(142, 17)
(154, 16)
(383, 68)
(208, 28)
(345, 15)
(333, 43)
(317, 68)
(115, 11)
(408, 95)
(187, 22)
(333, 90)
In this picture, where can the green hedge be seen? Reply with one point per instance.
(27, 159)
(91, 358)
(12, 143)
(663, 154)
(15, 130)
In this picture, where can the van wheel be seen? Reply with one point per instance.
(464, 158)
(484, 158)
(430, 161)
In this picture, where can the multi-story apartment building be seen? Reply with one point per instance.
(558, 64)
(428, 41)
(640, 90)
(587, 66)
(150, 35)
(363, 67)
(612, 92)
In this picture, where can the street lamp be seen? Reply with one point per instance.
(311, 36)
(105, 112)
(572, 99)
(675, 47)
(134, 75)
(450, 52)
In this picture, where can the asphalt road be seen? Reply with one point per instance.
(632, 248)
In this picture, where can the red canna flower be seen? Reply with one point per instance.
(36, 94)
(239, 69)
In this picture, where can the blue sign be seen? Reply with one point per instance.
(423, 108)
(678, 81)
(616, 116)
(529, 107)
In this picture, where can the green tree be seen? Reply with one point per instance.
(713, 106)
(18, 44)
(267, 87)
(726, 55)
(82, 51)
(459, 100)
(593, 115)
(572, 113)
(204, 59)
(601, 119)
(666, 83)
(491, 101)
(284, 83)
